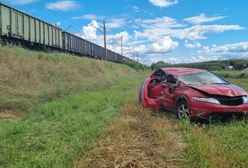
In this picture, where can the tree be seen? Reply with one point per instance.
(159, 65)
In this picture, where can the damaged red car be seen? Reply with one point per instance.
(193, 93)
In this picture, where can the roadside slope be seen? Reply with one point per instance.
(53, 106)
(28, 78)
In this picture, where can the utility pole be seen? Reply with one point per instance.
(105, 38)
(121, 46)
(137, 54)
(133, 53)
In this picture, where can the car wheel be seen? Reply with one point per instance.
(183, 110)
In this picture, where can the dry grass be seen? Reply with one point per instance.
(29, 77)
(8, 116)
(136, 138)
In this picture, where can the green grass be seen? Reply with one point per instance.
(217, 145)
(29, 78)
(55, 133)
(53, 105)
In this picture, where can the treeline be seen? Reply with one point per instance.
(233, 74)
(237, 64)
(137, 66)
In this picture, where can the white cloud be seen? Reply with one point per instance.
(135, 8)
(63, 5)
(202, 18)
(192, 45)
(159, 22)
(117, 37)
(163, 3)
(88, 17)
(164, 45)
(150, 33)
(240, 48)
(157, 38)
(197, 32)
(89, 32)
(116, 23)
(228, 51)
(58, 24)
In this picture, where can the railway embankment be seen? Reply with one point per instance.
(28, 78)
(53, 105)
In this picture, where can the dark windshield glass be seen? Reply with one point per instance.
(201, 78)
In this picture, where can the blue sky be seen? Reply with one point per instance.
(173, 31)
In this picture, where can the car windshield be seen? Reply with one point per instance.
(201, 78)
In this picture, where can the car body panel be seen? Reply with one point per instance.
(220, 89)
(158, 94)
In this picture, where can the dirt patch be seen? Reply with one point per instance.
(8, 116)
(136, 138)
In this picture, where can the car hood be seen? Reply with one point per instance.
(220, 89)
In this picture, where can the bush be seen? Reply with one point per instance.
(137, 66)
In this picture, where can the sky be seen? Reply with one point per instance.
(173, 31)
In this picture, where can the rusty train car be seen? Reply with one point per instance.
(19, 28)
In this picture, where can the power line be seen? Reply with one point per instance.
(104, 31)
(68, 28)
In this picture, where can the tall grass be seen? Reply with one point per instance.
(136, 138)
(218, 145)
(68, 100)
(55, 133)
(28, 78)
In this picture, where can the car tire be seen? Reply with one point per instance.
(183, 110)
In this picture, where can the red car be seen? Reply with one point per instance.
(193, 93)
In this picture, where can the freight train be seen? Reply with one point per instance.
(19, 28)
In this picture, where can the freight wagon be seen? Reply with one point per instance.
(19, 28)
(76, 45)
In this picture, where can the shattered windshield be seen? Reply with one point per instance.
(201, 78)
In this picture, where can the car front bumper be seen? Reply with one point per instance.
(203, 109)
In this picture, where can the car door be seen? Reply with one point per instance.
(169, 96)
(155, 89)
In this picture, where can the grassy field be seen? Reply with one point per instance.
(54, 134)
(141, 138)
(28, 78)
(137, 138)
(63, 111)
(219, 145)
(53, 106)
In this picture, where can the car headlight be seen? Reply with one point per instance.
(207, 100)
(245, 99)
